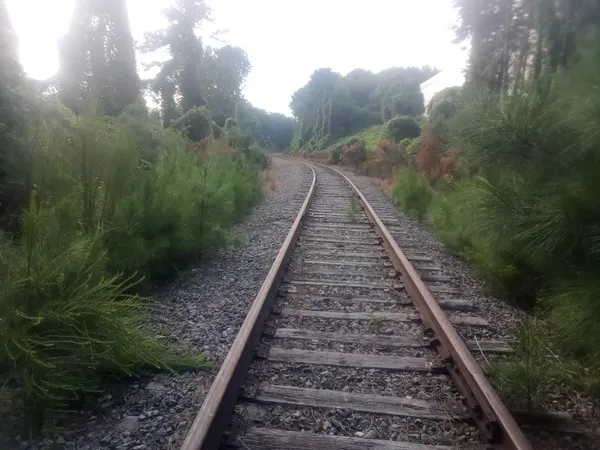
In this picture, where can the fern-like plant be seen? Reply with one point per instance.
(65, 323)
(412, 193)
(522, 376)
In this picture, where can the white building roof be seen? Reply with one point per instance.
(445, 79)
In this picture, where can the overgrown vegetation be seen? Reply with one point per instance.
(533, 225)
(99, 221)
(506, 168)
(370, 136)
(98, 198)
(412, 193)
(66, 322)
(528, 219)
(402, 127)
(525, 374)
(332, 106)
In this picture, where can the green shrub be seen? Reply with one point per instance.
(255, 156)
(196, 124)
(448, 219)
(402, 127)
(65, 323)
(392, 154)
(388, 159)
(414, 146)
(217, 131)
(532, 218)
(183, 205)
(148, 135)
(573, 309)
(412, 193)
(238, 139)
(522, 377)
(100, 218)
(230, 123)
(474, 219)
(406, 143)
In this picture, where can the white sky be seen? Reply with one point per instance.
(286, 40)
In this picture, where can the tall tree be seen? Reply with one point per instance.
(181, 75)
(224, 72)
(97, 58)
(361, 83)
(512, 40)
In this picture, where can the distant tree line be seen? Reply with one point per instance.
(331, 106)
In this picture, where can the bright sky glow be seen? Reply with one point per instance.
(286, 40)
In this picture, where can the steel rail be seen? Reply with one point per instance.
(212, 419)
(489, 412)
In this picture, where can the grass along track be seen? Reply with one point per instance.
(345, 347)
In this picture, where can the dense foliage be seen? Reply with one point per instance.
(196, 124)
(412, 193)
(332, 106)
(100, 220)
(505, 166)
(539, 214)
(516, 40)
(530, 137)
(521, 136)
(402, 127)
(98, 199)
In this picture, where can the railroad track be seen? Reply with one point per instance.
(346, 347)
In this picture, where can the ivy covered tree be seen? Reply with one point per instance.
(331, 105)
(409, 101)
(97, 59)
(278, 130)
(444, 104)
(361, 83)
(272, 131)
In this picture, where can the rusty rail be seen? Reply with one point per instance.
(212, 419)
(491, 416)
(489, 412)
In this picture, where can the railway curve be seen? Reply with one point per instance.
(352, 343)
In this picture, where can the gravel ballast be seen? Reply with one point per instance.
(306, 368)
(418, 236)
(203, 311)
